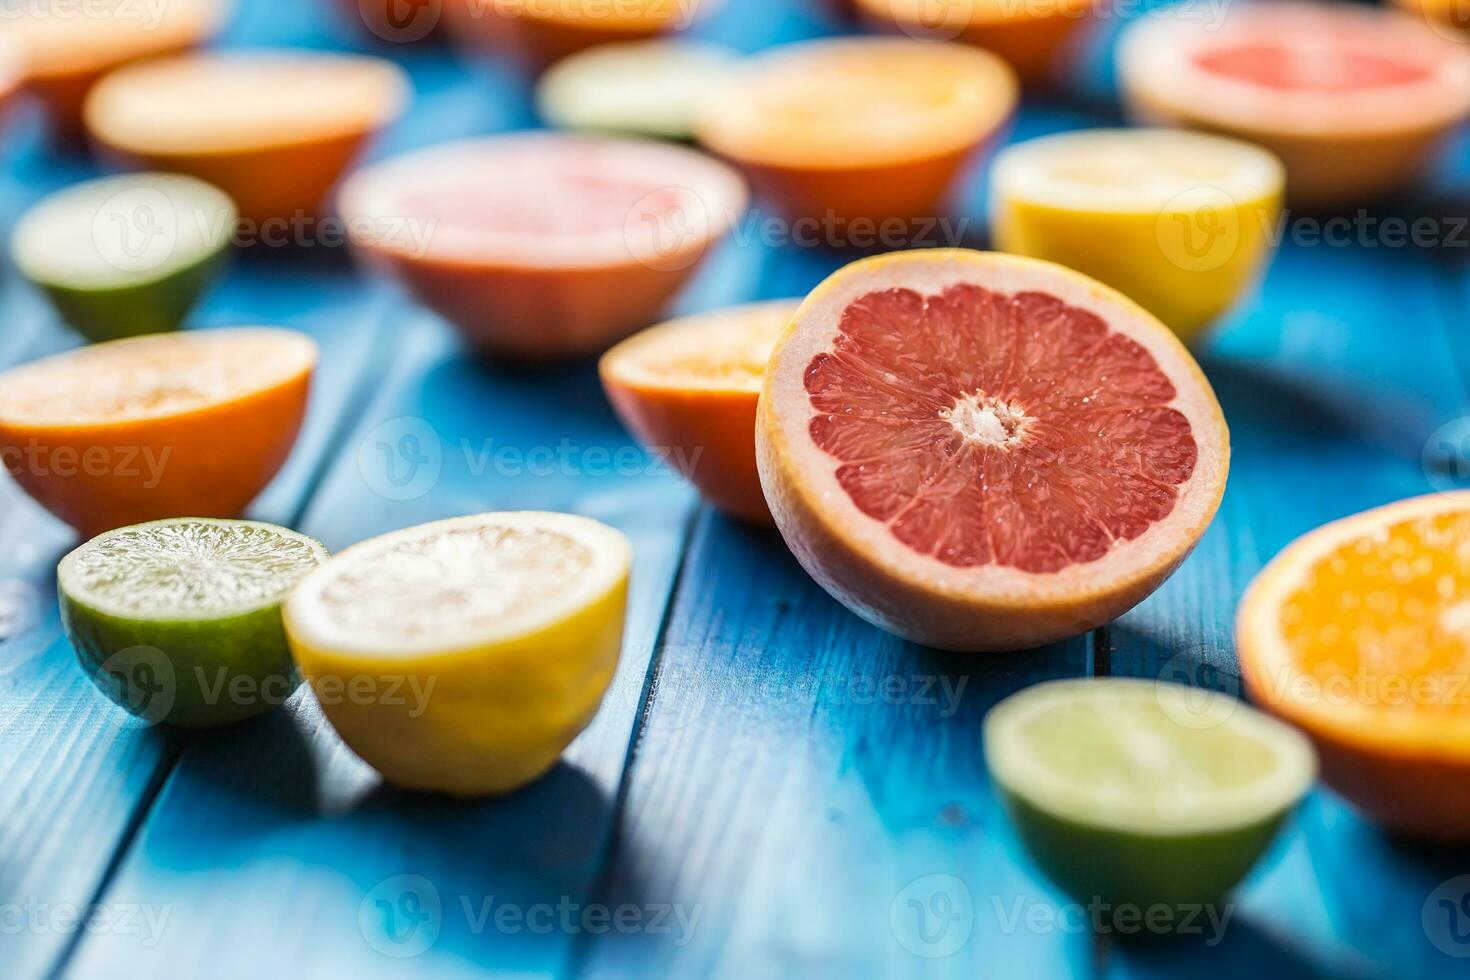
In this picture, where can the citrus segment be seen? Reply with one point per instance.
(65, 51)
(129, 431)
(1358, 633)
(868, 129)
(1181, 222)
(575, 243)
(644, 88)
(508, 627)
(179, 621)
(979, 451)
(81, 247)
(274, 129)
(1356, 102)
(688, 390)
(1031, 37)
(1138, 793)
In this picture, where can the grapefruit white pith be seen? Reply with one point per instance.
(979, 451)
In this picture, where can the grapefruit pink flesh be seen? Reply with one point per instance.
(986, 428)
(979, 451)
(1325, 69)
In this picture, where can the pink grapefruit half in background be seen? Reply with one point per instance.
(979, 451)
(274, 129)
(1356, 102)
(542, 245)
(66, 48)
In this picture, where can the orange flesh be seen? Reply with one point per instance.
(1384, 621)
(986, 428)
(1308, 68)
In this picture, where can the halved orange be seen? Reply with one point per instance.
(869, 130)
(1449, 17)
(688, 390)
(1029, 36)
(543, 245)
(1359, 633)
(1356, 102)
(980, 451)
(167, 425)
(67, 48)
(539, 32)
(273, 129)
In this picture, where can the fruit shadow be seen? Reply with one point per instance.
(1241, 948)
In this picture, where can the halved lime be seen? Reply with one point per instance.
(128, 255)
(639, 88)
(179, 621)
(1133, 794)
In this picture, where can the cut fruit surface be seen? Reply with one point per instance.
(179, 620)
(123, 256)
(644, 88)
(1179, 221)
(274, 129)
(141, 419)
(859, 128)
(65, 51)
(510, 624)
(981, 452)
(1030, 36)
(1357, 632)
(538, 34)
(577, 241)
(1137, 792)
(1355, 101)
(688, 390)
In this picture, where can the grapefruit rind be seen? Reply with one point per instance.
(989, 607)
(1128, 810)
(508, 666)
(1180, 221)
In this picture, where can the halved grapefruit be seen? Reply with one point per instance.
(979, 451)
(66, 48)
(273, 129)
(688, 390)
(1029, 36)
(541, 245)
(539, 32)
(1359, 633)
(1356, 102)
(859, 131)
(166, 425)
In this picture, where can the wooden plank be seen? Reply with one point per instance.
(1332, 381)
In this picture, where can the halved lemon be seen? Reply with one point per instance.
(463, 656)
(1180, 222)
(688, 390)
(274, 129)
(1359, 632)
(1135, 793)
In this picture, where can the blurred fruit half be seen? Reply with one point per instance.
(540, 32)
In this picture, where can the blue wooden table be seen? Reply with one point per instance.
(773, 788)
